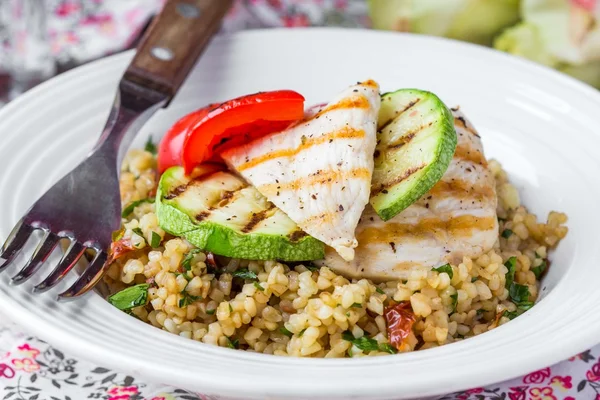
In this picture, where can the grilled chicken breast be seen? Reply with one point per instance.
(456, 218)
(319, 171)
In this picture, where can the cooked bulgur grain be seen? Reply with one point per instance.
(304, 311)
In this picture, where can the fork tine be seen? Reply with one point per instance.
(41, 254)
(14, 243)
(92, 274)
(66, 264)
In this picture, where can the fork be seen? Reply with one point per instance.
(84, 207)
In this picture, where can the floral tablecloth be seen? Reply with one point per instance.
(31, 369)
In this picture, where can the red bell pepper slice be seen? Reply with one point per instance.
(237, 121)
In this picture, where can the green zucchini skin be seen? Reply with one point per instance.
(220, 213)
(416, 141)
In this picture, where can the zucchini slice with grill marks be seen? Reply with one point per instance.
(416, 141)
(218, 212)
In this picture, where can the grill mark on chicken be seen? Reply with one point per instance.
(469, 154)
(257, 218)
(397, 180)
(360, 102)
(202, 216)
(344, 133)
(460, 189)
(320, 177)
(463, 122)
(398, 113)
(460, 226)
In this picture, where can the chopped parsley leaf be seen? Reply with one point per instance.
(150, 146)
(257, 285)
(311, 267)
(155, 240)
(364, 343)
(187, 299)
(138, 232)
(519, 294)
(506, 233)
(302, 332)
(232, 344)
(511, 264)
(131, 206)
(510, 314)
(244, 273)
(379, 290)
(356, 305)
(454, 298)
(134, 296)
(186, 263)
(230, 308)
(285, 331)
(388, 348)
(211, 312)
(539, 270)
(447, 268)
(474, 279)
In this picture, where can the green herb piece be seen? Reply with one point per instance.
(474, 279)
(379, 290)
(519, 294)
(348, 314)
(138, 232)
(187, 299)
(447, 268)
(364, 343)
(232, 344)
(134, 296)
(285, 331)
(151, 147)
(311, 267)
(510, 314)
(257, 285)
(230, 308)
(388, 348)
(525, 305)
(302, 332)
(186, 277)
(118, 235)
(454, 298)
(480, 311)
(539, 270)
(356, 305)
(506, 233)
(155, 240)
(511, 264)
(186, 263)
(244, 273)
(211, 312)
(131, 206)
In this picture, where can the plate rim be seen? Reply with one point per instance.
(78, 345)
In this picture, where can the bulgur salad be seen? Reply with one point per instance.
(369, 225)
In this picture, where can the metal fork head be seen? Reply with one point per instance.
(84, 207)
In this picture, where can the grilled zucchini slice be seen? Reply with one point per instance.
(218, 212)
(416, 141)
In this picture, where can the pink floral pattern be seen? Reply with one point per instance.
(31, 369)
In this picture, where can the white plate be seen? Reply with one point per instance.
(543, 127)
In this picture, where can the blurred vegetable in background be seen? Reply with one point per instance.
(562, 34)
(477, 21)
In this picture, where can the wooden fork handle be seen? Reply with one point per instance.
(173, 43)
